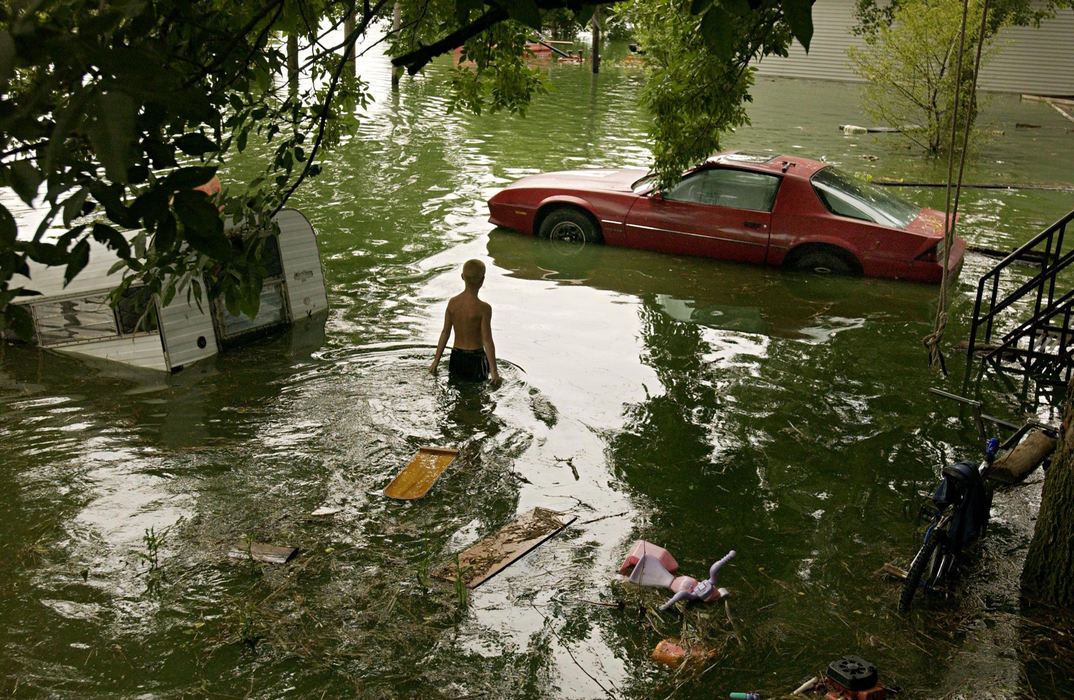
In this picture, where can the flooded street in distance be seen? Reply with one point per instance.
(702, 405)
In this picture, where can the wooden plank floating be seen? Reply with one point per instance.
(1027, 455)
(491, 555)
(419, 476)
(270, 553)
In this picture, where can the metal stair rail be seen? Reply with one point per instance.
(1041, 343)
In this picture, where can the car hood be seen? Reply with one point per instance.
(613, 179)
(928, 223)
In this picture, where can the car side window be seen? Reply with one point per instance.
(723, 187)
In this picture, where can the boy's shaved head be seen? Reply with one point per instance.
(473, 272)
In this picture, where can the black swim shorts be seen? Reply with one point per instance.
(468, 364)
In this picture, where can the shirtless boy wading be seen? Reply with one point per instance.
(473, 355)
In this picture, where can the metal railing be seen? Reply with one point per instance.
(1040, 344)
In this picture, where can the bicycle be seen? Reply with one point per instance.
(960, 508)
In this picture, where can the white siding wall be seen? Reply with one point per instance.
(184, 328)
(143, 351)
(1026, 59)
(303, 276)
(1035, 61)
(827, 57)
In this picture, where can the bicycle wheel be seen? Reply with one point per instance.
(923, 561)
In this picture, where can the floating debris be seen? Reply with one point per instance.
(491, 555)
(270, 553)
(671, 652)
(419, 476)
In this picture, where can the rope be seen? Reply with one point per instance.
(933, 340)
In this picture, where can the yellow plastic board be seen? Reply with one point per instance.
(419, 476)
(491, 555)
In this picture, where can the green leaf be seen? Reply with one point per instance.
(188, 178)
(45, 253)
(151, 206)
(166, 233)
(103, 233)
(524, 11)
(202, 225)
(161, 155)
(17, 319)
(76, 261)
(195, 144)
(739, 8)
(716, 29)
(584, 15)
(699, 6)
(112, 133)
(137, 174)
(72, 208)
(799, 15)
(109, 196)
(25, 180)
(9, 230)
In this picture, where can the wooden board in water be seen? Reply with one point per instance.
(491, 555)
(419, 476)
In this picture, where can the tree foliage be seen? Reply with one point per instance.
(911, 70)
(911, 53)
(699, 56)
(112, 112)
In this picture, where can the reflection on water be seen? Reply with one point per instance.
(699, 404)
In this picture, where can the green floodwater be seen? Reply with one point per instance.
(700, 405)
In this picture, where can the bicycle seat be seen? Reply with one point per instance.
(962, 473)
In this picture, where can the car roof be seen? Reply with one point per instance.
(766, 161)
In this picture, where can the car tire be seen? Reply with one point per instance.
(569, 225)
(825, 261)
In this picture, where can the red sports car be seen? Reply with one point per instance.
(752, 207)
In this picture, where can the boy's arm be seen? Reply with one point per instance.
(444, 335)
(490, 347)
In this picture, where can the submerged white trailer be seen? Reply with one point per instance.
(78, 318)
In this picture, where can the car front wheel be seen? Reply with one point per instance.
(570, 225)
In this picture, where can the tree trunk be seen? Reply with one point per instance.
(596, 40)
(1048, 575)
(348, 46)
(292, 63)
(397, 23)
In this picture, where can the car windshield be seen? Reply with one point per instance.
(846, 195)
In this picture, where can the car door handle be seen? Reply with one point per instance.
(753, 224)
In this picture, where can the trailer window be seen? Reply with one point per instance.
(74, 320)
(82, 319)
(131, 312)
(271, 313)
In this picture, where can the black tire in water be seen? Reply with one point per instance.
(922, 562)
(570, 225)
(825, 261)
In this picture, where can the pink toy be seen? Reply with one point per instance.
(641, 548)
(650, 571)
